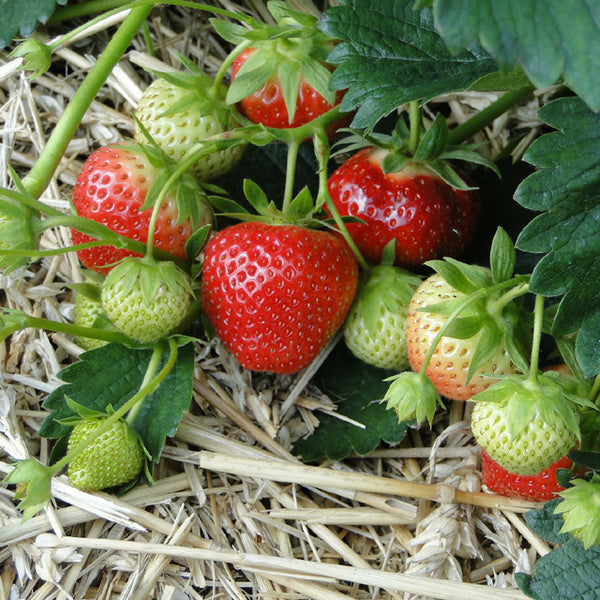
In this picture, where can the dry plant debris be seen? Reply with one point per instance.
(233, 513)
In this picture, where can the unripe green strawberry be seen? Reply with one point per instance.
(89, 313)
(580, 510)
(179, 110)
(114, 458)
(526, 425)
(146, 299)
(375, 329)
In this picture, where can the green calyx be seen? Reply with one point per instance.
(487, 303)
(292, 50)
(427, 148)
(387, 286)
(580, 510)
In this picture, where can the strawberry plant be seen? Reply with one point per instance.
(475, 318)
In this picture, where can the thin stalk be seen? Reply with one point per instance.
(144, 391)
(41, 173)
(322, 152)
(414, 116)
(290, 171)
(151, 370)
(538, 316)
(488, 115)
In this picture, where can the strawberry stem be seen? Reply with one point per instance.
(538, 316)
(148, 386)
(39, 176)
(414, 116)
(290, 172)
(322, 152)
(487, 116)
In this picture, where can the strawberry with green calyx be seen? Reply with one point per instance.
(146, 299)
(120, 185)
(526, 422)
(280, 77)
(465, 325)
(580, 510)
(480, 300)
(37, 476)
(275, 288)
(112, 459)
(180, 111)
(403, 188)
(375, 328)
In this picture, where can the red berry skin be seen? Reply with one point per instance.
(276, 294)
(428, 218)
(110, 189)
(267, 106)
(540, 487)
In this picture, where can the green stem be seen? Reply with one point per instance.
(488, 115)
(538, 317)
(290, 172)
(226, 64)
(322, 151)
(414, 116)
(41, 173)
(144, 391)
(84, 9)
(148, 375)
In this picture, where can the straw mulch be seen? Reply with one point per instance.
(233, 513)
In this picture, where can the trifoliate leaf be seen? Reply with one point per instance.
(566, 190)
(392, 54)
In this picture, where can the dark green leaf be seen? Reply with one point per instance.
(109, 376)
(21, 17)
(357, 389)
(566, 189)
(563, 43)
(392, 55)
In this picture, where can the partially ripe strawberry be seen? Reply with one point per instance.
(114, 458)
(452, 357)
(525, 424)
(146, 299)
(539, 487)
(276, 294)
(181, 110)
(111, 189)
(375, 329)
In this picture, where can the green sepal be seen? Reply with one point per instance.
(37, 57)
(463, 277)
(196, 242)
(38, 478)
(433, 142)
(412, 397)
(489, 341)
(503, 256)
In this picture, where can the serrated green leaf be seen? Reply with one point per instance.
(393, 55)
(566, 189)
(109, 376)
(564, 43)
(357, 389)
(21, 17)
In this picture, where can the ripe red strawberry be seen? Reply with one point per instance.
(539, 487)
(112, 188)
(428, 218)
(451, 361)
(114, 458)
(276, 294)
(267, 104)
(146, 299)
(179, 110)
